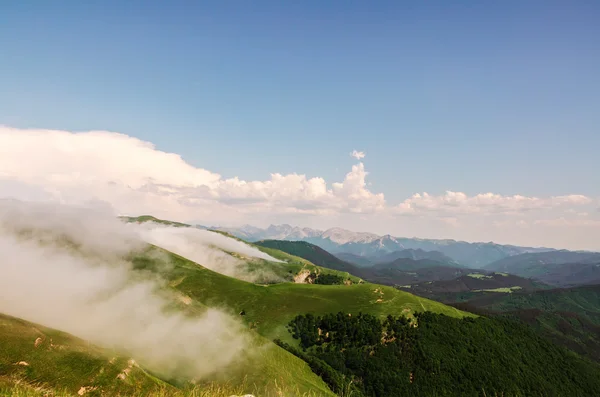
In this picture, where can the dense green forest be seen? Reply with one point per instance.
(584, 300)
(435, 355)
(567, 316)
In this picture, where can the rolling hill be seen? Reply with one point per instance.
(583, 300)
(415, 254)
(559, 268)
(473, 285)
(409, 264)
(567, 316)
(265, 310)
(36, 360)
(441, 356)
(356, 260)
(310, 252)
(402, 271)
(269, 308)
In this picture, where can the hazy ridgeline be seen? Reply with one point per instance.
(207, 248)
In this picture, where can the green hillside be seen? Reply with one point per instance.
(425, 343)
(310, 252)
(409, 264)
(441, 356)
(402, 271)
(265, 309)
(51, 359)
(150, 218)
(36, 360)
(583, 301)
(292, 268)
(559, 268)
(293, 265)
(474, 285)
(268, 308)
(417, 254)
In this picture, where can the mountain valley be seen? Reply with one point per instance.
(271, 311)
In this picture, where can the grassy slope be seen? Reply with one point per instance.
(73, 363)
(270, 308)
(308, 251)
(296, 264)
(65, 362)
(62, 364)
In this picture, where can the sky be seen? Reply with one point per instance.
(470, 120)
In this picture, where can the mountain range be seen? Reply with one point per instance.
(338, 241)
(180, 311)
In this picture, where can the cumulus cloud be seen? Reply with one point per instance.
(137, 178)
(354, 190)
(134, 176)
(64, 268)
(357, 155)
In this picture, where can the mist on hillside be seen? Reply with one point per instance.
(63, 267)
(208, 249)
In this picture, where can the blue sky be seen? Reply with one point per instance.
(499, 97)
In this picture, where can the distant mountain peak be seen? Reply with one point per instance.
(339, 240)
(343, 236)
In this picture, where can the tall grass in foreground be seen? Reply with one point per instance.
(24, 389)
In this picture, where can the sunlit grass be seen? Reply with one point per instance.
(20, 388)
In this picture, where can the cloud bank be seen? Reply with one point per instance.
(488, 203)
(208, 249)
(63, 267)
(136, 178)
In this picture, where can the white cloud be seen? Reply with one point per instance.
(357, 155)
(354, 190)
(485, 203)
(562, 221)
(61, 157)
(209, 249)
(134, 177)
